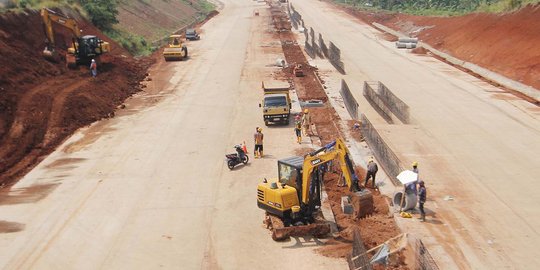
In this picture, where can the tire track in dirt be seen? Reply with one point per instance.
(22, 140)
(42, 103)
(58, 106)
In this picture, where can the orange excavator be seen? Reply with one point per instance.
(83, 48)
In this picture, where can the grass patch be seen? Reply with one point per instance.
(135, 44)
(205, 6)
(438, 7)
(505, 5)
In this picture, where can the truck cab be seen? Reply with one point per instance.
(276, 103)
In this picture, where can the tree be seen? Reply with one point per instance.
(102, 12)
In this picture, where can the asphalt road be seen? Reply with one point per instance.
(476, 144)
(149, 189)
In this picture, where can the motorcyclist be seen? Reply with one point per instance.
(240, 151)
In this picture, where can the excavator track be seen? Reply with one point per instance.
(319, 228)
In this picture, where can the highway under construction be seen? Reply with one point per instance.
(140, 180)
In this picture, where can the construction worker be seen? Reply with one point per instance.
(415, 167)
(372, 169)
(258, 137)
(306, 122)
(422, 194)
(298, 128)
(93, 68)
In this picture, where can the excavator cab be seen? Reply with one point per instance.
(89, 47)
(290, 171)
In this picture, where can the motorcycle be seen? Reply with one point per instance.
(239, 157)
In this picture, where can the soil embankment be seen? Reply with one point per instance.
(505, 43)
(42, 103)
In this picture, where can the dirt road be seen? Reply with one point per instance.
(149, 189)
(476, 144)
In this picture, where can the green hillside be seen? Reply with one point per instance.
(439, 7)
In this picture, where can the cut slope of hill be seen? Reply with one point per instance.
(156, 19)
(42, 103)
(506, 43)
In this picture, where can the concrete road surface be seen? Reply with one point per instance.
(150, 189)
(478, 146)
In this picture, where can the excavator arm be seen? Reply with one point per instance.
(49, 17)
(83, 48)
(335, 150)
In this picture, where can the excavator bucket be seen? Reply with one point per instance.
(51, 55)
(319, 229)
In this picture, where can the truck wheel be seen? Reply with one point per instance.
(266, 123)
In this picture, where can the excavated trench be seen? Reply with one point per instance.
(374, 229)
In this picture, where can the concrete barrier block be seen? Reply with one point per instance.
(346, 206)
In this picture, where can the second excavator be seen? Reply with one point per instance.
(292, 202)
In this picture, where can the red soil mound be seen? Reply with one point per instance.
(505, 43)
(41, 103)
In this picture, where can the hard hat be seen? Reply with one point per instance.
(93, 60)
(415, 164)
(259, 129)
(306, 111)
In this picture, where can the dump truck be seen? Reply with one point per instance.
(276, 103)
(175, 50)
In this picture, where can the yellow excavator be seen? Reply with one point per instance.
(292, 202)
(175, 50)
(83, 48)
